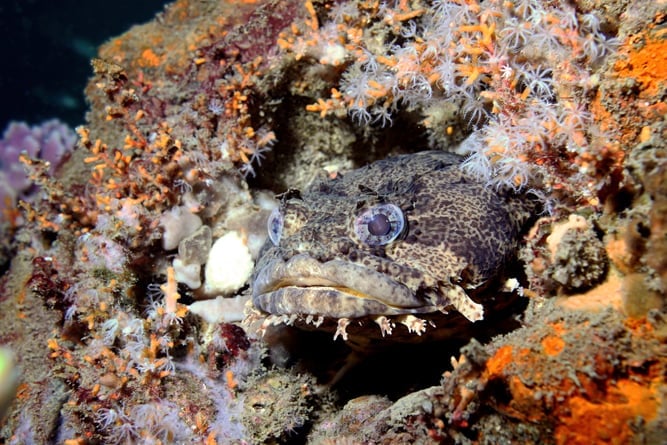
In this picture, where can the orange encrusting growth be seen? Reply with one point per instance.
(552, 345)
(584, 409)
(648, 65)
(608, 419)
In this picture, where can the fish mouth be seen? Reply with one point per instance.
(335, 289)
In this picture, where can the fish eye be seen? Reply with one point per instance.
(380, 224)
(274, 225)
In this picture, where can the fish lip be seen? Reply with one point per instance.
(335, 288)
(322, 301)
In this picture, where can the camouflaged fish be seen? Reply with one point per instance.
(400, 246)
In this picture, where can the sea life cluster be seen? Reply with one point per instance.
(516, 77)
(131, 268)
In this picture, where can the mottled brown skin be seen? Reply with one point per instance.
(460, 234)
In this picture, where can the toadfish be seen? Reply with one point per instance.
(397, 248)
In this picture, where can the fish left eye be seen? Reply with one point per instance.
(274, 225)
(380, 224)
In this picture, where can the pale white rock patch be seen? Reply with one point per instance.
(229, 265)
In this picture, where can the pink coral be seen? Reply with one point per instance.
(51, 141)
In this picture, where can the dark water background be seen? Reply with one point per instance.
(46, 51)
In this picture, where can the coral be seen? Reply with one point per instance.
(565, 378)
(199, 108)
(51, 142)
(351, 419)
(521, 74)
(154, 422)
(278, 406)
(178, 223)
(188, 274)
(565, 256)
(193, 249)
(576, 371)
(580, 261)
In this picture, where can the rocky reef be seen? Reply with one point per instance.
(129, 270)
